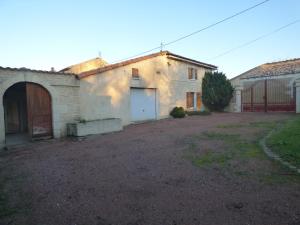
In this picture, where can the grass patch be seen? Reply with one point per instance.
(238, 151)
(286, 142)
(211, 157)
(259, 124)
(249, 150)
(219, 136)
(262, 124)
(238, 125)
(235, 148)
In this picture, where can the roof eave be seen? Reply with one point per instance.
(191, 61)
(142, 58)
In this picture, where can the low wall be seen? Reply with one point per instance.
(94, 127)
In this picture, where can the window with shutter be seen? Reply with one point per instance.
(190, 72)
(135, 73)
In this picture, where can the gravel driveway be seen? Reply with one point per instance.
(144, 175)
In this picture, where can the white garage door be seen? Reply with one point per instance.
(143, 104)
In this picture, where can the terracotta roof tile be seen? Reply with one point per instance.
(286, 67)
(23, 69)
(130, 61)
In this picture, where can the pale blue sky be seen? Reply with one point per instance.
(41, 34)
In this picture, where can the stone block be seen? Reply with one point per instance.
(94, 127)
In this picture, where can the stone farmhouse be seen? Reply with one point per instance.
(96, 97)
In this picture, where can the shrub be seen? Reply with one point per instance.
(177, 112)
(217, 91)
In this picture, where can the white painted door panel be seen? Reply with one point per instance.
(143, 104)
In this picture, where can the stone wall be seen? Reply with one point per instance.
(64, 91)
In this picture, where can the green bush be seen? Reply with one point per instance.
(217, 91)
(177, 112)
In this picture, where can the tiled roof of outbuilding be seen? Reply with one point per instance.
(23, 69)
(286, 67)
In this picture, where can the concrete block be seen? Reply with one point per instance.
(94, 127)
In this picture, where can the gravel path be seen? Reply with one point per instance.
(140, 177)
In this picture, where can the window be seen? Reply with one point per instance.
(192, 73)
(193, 100)
(135, 73)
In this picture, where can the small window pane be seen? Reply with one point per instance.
(190, 71)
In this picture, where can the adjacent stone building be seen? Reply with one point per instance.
(269, 87)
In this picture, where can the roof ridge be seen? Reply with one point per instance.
(138, 59)
(282, 61)
(85, 61)
(25, 69)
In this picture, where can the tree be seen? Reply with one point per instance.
(217, 91)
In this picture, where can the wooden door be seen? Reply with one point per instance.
(39, 111)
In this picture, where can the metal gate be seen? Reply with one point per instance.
(269, 95)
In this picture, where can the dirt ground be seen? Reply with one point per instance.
(153, 174)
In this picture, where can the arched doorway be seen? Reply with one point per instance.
(27, 112)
